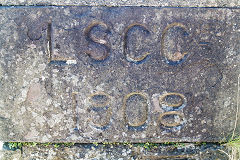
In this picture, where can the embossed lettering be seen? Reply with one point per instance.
(103, 42)
(174, 45)
(100, 104)
(125, 46)
(138, 120)
(50, 49)
(171, 124)
(163, 99)
(172, 102)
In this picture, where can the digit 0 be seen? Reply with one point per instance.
(143, 118)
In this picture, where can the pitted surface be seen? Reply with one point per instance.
(164, 3)
(138, 74)
(125, 152)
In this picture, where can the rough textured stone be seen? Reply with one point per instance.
(138, 74)
(120, 152)
(117, 151)
(10, 155)
(172, 3)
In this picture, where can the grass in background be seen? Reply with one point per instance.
(233, 149)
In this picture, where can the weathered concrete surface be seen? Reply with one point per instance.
(138, 74)
(117, 152)
(172, 3)
(10, 155)
(120, 152)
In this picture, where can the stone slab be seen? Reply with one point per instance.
(118, 74)
(166, 3)
(127, 152)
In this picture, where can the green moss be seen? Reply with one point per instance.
(233, 146)
(234, 142)
(19, 145)
(147, 145)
